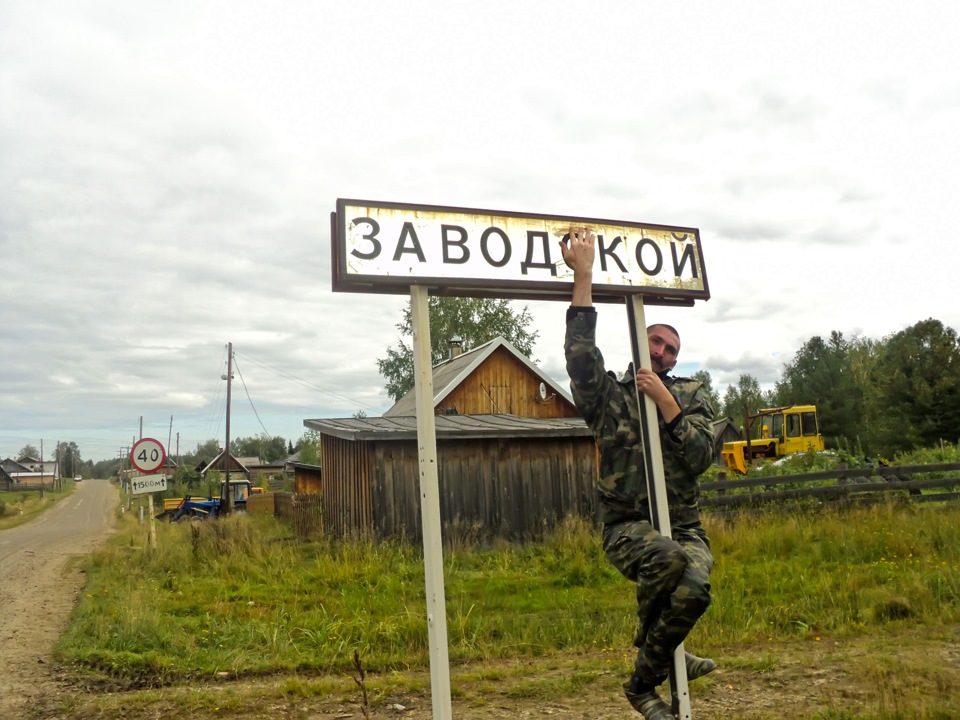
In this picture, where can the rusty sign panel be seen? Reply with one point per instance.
(385, 247)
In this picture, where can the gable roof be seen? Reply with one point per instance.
(13, 466)
(448, 374)
(219, 463)
(720, 427)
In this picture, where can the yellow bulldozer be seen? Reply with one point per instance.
(773, 433)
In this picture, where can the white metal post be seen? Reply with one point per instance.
(430, 506)
(658, 490)
(153, 523)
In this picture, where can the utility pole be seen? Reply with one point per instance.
(41, 468)
(226, 448)
(124, 451)
(139, 497)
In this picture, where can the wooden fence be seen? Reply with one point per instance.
(304, 512)
(27, 487)
(916, 483)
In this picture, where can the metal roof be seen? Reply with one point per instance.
(448, 374)
(450, 427)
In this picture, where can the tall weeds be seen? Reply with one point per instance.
(239, 595)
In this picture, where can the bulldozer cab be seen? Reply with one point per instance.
(795, 428)
(773, 433)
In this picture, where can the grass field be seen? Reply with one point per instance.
(20, 506)
(242, 596)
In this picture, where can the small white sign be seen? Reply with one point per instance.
(148, 484)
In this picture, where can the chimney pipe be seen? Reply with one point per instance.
(456, 347)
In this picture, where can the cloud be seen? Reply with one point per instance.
(168, 173)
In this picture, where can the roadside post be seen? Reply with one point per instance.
(148, 455)
(398, 248)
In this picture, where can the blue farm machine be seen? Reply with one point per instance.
(193, 507)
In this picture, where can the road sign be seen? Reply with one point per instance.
(148, 484)
(148, 455)
(386, 247)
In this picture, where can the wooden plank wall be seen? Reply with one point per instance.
(504, 385)
(506, 488)
(263, 504)
(307, 482)
(347, 504)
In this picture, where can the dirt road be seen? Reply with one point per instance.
(38, 587)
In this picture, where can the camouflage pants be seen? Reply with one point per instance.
(673, 587)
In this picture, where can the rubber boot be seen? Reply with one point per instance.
(645, 700)
(697, 667)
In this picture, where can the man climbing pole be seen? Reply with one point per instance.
(671, 573)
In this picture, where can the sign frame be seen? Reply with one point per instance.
(541, 233)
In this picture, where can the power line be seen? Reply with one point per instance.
(247, 391)
(306, 383)
(218, 407)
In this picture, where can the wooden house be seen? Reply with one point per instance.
(6, 482)
(31, 472)
(12, 467)
(513, 454)
(261, 472)
(724, 430)
(29, 464)
(307, 478)
(494, 378)
(225, 461)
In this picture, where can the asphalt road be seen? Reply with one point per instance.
(39, 586)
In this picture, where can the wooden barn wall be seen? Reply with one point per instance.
(396, 489)
(506, 488)
(307, 481)
(347, 504)
(504, 385)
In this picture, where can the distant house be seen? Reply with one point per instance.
(30, 463)
(31, 471)
(6, 482)
(263, 471)
(307, 478)
(724, 430)
(11, 466)
(226, 461)
(513, 454)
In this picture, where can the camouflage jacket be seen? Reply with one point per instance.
(609, 406)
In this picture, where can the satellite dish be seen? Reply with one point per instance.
(543, 391)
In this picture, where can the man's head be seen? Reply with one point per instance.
(664, 342)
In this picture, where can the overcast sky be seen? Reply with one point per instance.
(167, 172)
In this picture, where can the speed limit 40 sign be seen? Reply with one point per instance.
(148, 455)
